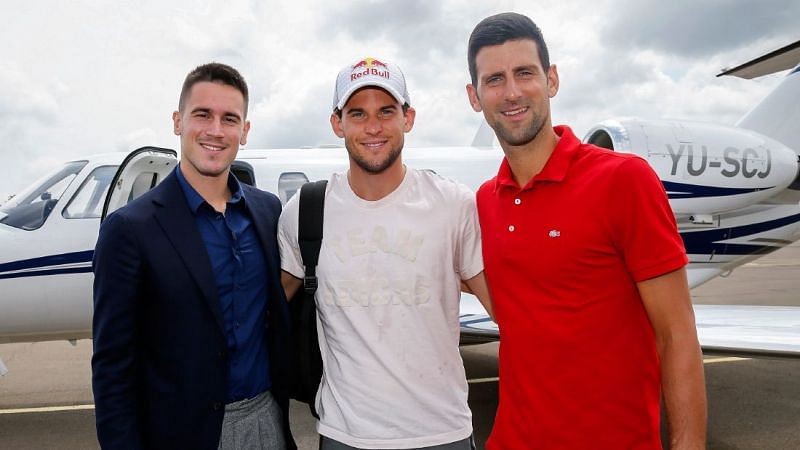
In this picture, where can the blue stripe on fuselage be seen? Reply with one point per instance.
(45, 272)
(676, 191)
(707, 242)
(696, 242)
(45, 261)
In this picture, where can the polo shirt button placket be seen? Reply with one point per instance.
(511, 228)
(517, 201)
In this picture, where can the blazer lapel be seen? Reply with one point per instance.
(176, 219)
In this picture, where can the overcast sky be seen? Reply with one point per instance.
(84, 77)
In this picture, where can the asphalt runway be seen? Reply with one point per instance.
(771, 280)
(46, 399)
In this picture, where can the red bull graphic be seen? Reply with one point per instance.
(369, 66)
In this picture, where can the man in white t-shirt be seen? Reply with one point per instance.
(397, 245)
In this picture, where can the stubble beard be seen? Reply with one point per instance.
(375, 167)
(213, 173)
(521, 137)
(208, 172)
(195, 159)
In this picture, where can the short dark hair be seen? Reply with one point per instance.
(215, 73)
(499, 29)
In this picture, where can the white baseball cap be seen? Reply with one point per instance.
(370, 72)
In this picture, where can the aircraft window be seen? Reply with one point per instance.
(289, 183)
(31, 207)
(87, 203)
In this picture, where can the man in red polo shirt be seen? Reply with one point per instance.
(586, 271)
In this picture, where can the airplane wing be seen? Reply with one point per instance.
(749, 330)
(758, 331)
(781, 59)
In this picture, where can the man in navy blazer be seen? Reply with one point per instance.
(190, 321)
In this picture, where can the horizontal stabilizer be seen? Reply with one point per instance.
(781, 59)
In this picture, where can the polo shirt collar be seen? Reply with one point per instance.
(556, 167)
(195, 200)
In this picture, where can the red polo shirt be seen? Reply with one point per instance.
(578, 361)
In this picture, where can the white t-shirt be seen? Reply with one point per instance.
(388, 304)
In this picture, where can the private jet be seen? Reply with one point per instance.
(735, 192)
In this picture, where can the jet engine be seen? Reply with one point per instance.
(706, 169)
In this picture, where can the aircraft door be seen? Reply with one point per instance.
(141, 171)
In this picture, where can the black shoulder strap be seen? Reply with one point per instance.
(309, 235)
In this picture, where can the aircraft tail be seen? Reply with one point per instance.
(778, 115)
(484, 137)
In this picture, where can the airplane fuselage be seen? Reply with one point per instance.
(45, 272)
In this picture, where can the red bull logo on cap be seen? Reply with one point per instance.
(369, 66)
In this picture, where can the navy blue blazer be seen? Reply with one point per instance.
(159, 368)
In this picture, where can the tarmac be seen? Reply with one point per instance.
(46, 398)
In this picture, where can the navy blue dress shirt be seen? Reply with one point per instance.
(237, 259)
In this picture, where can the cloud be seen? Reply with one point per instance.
(288, 117)
(24, 100)
(80, 78)
(697, 30)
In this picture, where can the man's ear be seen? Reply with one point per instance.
(552, 80)
(243, 139)
(409, 116)
(336, 124)
(176, 123)
(472, 94)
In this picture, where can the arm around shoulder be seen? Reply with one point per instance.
(478, 287)
(290, 284)
(291, 261)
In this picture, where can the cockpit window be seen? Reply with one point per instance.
(29, 209)
(87, 203)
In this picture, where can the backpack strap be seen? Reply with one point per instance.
(309, 233)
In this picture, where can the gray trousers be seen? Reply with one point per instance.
(252, 424)
(326, 443)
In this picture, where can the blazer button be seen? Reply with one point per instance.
(217, 406)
